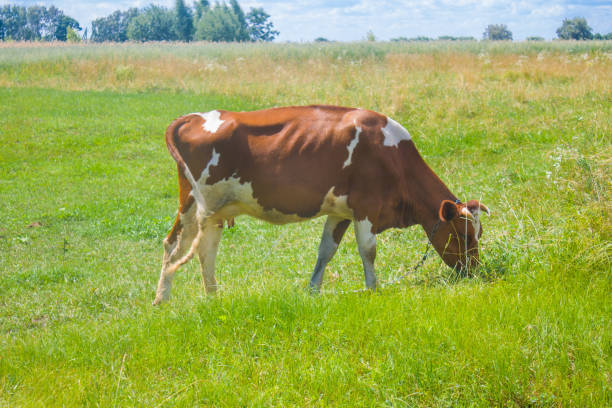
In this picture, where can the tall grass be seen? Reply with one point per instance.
(394, 78)
(14, 51)
(89, 192)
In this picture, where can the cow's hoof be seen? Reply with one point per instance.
(314, 289)
(211, 290)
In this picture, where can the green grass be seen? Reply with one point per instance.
(31, 52)
(531, 328)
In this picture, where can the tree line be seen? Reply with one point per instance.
(221, 22)
(576, 28)
(36, 23)
(571, 29)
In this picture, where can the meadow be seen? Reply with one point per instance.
(89, 191)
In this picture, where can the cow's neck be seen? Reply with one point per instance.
(427, 191)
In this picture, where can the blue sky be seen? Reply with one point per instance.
(350, 20)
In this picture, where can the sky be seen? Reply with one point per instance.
(350, 20)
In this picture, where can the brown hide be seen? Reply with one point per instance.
(293, 156)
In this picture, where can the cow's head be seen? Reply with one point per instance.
(456, 239)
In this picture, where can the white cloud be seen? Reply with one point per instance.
(550, 11)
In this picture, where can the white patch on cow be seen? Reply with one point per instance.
(212, 120)
(476, 224)
(474, 218)
(352, 146)
(195, 191)
(394, 133)
(214, 160)
(229, 198)
(366, 243)
(363, 229)
(336, 205)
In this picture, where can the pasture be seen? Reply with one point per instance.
(88, 192)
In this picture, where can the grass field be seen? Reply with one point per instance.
(89, 191)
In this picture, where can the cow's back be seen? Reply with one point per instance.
(292, 161)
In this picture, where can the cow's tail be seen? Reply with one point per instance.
(171, 137)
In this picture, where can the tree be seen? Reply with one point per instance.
(14, 21)
(598, 36)
(497, 32)
(112, 27)
(59, 24)
(370, 36)
(72, 36)
(575, 29)
(184, 21)
(35, 23)
(259, 25)
(154, 23)
(225, 22)
(242, 33)
(201, 7)
(36, 17)
(218, 24)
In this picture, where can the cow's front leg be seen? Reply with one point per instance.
(366, 242)
(333, 231)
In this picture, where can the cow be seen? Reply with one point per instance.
(293, 164)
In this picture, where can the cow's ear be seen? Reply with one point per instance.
(448, 210)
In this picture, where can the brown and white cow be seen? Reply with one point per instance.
(292, 164)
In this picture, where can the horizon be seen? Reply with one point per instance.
(351, 20)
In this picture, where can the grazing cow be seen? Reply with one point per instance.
(292, 164)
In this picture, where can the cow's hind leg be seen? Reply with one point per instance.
(366, 243)
(177, 250)
(207, 251)
(332, 235)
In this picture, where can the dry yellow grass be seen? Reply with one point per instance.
(442, 86)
